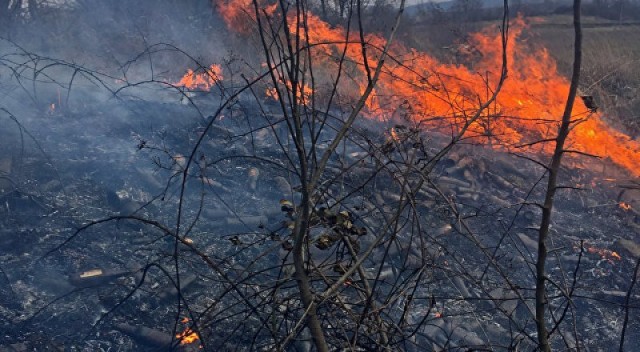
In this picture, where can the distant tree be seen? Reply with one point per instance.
(7, 13)
(467, 10)
(618, 10)
(433, 12)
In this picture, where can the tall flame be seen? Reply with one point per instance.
(443, 96)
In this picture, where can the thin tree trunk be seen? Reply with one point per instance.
(634, 279)
(5, 14)
(554, 168)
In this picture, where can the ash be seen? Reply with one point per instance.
(116, 235)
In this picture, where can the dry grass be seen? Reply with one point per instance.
(611, 63)
(611, 58)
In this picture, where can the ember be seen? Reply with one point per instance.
(625, 206)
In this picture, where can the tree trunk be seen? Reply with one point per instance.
(554, 168)
(5, 12)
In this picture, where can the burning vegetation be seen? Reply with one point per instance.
(204, 80)
(417, 87)
(187, 336)
(333, 195)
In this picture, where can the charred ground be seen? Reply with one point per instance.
(93, 129)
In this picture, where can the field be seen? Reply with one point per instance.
(215, 176)
(611, 57)
(611, 64)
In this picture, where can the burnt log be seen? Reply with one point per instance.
(147, 336)
(96, 277)
(628, 246)
(5, 172)
(172, 292)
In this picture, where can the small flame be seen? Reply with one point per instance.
(303, 92)
(604, 253)
(187, 336)
(272, 93)
(625, 206)
(394, 134)
(205, 80)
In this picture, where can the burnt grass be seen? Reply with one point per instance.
(99, 156)
(61, 182)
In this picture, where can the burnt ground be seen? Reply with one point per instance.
(64, 168)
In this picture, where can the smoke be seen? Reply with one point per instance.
(104, 33)
(83, 83)
(64, 56)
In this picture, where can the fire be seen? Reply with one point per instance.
(187, 336)
(625, 206)
(204, 80)
(443, 96)
(604, 253)
(239, 14)
(394, 134)
(303, 92)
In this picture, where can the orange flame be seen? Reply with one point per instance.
(444, 96)
(187, 336)
(604, 253)
(625, 206)
(303, 92)
(239, 14)
(204, 80)
(394, 134)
